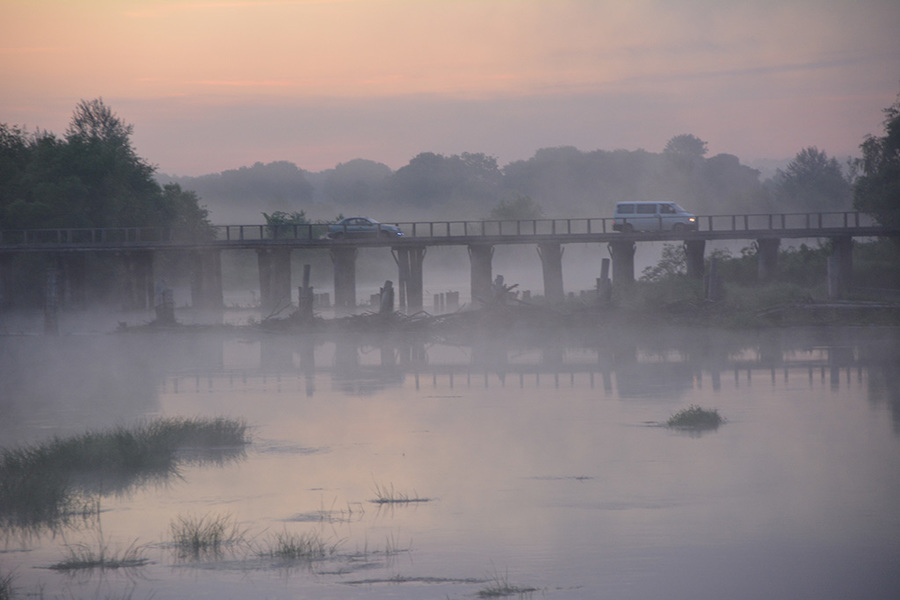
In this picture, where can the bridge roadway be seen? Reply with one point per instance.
(275, 243)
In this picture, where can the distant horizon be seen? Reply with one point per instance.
(766, 166)
(213, 86)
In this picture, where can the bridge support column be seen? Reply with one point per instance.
(410, 281)
(766, 258)
(551, 261)
(693, 252)
(206, 281)
(274, 278)
(344, 260)
(840, 266)
(73, 267)
(7, 281)
(480, 256)
(138, 280)
(622, 262)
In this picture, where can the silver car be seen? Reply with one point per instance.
(362, 227)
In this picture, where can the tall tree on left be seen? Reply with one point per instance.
(91, 177)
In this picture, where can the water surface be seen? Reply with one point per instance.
(543, 461)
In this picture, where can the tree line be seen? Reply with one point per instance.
(93, 177)
(555, 182)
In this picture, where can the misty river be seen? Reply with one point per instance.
(512, 465)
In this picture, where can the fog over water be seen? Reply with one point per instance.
(540, 461)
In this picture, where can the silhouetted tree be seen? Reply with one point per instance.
(877, 190)
(357, 183)
(685, 145)
(435, 181)
(520, 208)
(812, 182)
(90, 178)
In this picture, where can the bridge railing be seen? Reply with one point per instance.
(498, 227)
(84, 236)
(488, 228)
(776, 221)
(245, 233)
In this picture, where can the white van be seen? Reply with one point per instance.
(652, 216)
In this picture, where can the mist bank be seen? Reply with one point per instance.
(557, 182)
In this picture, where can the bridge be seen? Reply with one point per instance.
(274, 244)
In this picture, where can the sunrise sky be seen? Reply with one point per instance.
(213, 85)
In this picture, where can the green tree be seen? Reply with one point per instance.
(90, 178)
(812, 182)
(877, 190)
(687, 146)
(520, 208)
(458, 182)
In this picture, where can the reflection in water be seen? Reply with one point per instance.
(539, 453)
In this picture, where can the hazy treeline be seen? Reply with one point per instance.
(555, 182)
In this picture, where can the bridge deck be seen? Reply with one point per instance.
(442, 233)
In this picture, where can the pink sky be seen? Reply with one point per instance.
(213, 85)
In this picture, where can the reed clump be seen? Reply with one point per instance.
(81, 557)
(7, 590)
(46, 483)
(386, 494)
(695, 417)
(207, 535)
(499, 587)
(287, 545)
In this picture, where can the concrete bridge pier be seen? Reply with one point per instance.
(693, 252)
(274, 277)
(344, 260)
(137, 282)
(480, 277)
(840, 266)
(7, 281)
(767, 258)
(622, 262)
(206, 280)
(410, 280)
(551, 260)
(73, 270)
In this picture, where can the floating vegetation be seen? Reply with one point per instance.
(388, 495)
(297, 546)
(7, 591)
(499, 587)
(695, 417)
(80, 557)
(50, 483)
(207, 535)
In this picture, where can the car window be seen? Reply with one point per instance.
(667, 209)
(625, 209)
(646, 209)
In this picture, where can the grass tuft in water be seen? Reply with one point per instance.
(695, 417)
(386, 494)
(297, 546)
(81, 557)
(196, 536)
(46, 483)
(7, 590)
(500, 587)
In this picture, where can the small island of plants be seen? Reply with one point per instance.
(695, 417)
